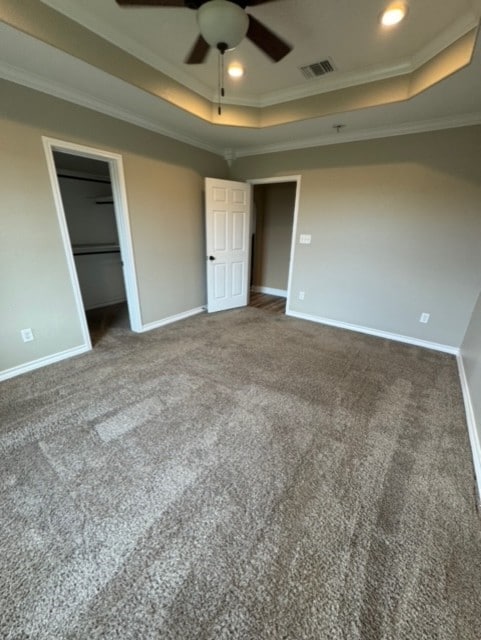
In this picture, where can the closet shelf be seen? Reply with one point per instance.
(90, 249)
(104, 200)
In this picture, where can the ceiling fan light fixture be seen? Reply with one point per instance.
(394, 14)
(222, 24)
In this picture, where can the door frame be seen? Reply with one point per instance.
(119, 194)
(277, 180)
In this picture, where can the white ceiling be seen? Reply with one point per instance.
(346, 32)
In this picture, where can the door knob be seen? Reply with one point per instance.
(211, 257)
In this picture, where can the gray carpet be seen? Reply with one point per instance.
(239, 476)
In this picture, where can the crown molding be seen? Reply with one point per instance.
(454, 32)
(355, 78)
(314, 88)
(19, 76)
(72, 9)
(54, 29)
(465, 23)
(44, 85)
(420, 126)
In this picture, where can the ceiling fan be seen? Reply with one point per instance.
(223, 24)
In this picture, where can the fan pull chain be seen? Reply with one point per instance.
(220, 73)
(219, 83)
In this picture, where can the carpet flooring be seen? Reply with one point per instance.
(242, 475)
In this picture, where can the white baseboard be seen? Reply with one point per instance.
(170, 319)
(43, 362)
(69, 353)
(472, 427)
(282, 293)
(445, 348)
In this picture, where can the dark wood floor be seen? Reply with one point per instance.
(274, 304)
(102, 319)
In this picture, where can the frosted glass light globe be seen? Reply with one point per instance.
(222, 22)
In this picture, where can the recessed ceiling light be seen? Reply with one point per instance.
(235, 70)
(394, 14)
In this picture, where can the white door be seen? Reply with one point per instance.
(227, 206)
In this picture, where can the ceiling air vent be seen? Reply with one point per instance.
(317, 69)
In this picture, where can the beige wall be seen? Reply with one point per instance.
(396, 227)
(471, 354)
(273, 233)
(164, 180)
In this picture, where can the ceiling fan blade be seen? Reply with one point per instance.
(198, 52)
(267, 40)
(151, 3)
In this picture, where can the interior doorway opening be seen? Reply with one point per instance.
(89, 192)
(86, 190)
(273, 219)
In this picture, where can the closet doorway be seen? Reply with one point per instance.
(94, 223)
(274, 207)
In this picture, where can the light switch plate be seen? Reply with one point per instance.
(305, 238)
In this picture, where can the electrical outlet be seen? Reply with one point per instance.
(301, 295)
(27, 335)
(424, 318)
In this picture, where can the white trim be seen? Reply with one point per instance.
(58, 90)
(170, 319)
(123, 225)
(42, 362)
(472, 427)
(276, 180)
(320, 86)
(435, 346)
(67, 245)
(293, 243)
(44, 85)
(125, 240)
(454, 32)
(436, 124)
(339, 81)
(105, 30)
(282, 293)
